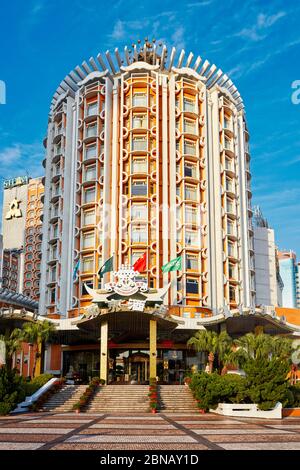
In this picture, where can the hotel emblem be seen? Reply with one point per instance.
(14, 210)
(126, 285)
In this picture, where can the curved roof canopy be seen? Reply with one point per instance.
(153, 54)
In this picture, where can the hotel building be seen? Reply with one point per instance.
(146, 153)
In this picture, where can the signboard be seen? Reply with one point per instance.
(19, 181)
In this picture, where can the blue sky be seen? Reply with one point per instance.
(256, 42)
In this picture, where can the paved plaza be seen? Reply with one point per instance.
(70, 431)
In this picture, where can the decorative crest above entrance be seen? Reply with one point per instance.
(126, 285)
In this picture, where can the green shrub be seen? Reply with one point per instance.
(12, 386)
(35, 384)
(266, 381)
(5, 408)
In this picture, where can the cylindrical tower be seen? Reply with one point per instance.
(146, 153)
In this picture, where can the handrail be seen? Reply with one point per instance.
(24, 406)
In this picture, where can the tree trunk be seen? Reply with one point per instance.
(211, 358)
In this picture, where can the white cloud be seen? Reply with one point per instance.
(118, 31)
(21, 157)
(258, 31)
(178, 37)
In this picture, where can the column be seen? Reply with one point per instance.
(153, 348)
(103, 350)
(38, 363)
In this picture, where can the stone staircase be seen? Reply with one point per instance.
(120, 399)
(176, 399)
(65, 398)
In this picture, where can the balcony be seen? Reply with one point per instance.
(90, 134)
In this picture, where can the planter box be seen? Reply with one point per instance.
(250, 410)
(295, 412)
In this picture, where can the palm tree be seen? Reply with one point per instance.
(211, 343)
(35, 334)
(12, 344)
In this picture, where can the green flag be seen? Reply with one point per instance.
(173, 265)
(107, 267)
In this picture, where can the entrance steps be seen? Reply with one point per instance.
(176, 399)
(64, 399)
(120, 399)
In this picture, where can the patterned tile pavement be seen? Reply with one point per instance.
(70, 431)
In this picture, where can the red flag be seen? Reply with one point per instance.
(141, 263)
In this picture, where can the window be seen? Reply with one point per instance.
(92, 108)
(190, 170)
(52, 296)
(89, 283)
(55, 231)
(29, 256)
(191, 237)
(227, 123)
(88, 240)
(191, 214)
(139, 143)
(89, 218)
(139, 212)
(229, 185)
(139, 233)
(139, 188)
(139, 121)
(54, 252)
(91, 131)
(232, 296)
(52, 274)
(57, 152)
(230, 206)
(189, 147)
(89, 195)
(231, 251)
(29, 267)
(89, 173)
(228, 164)
(90, 152)
(230, 227)
(28, 275)
(88, 264)
(192, 262)
(231, 271)
(55, 210)
(189, 126)
(192, 286)
(139, 165)
(190, 193)
(139, 99)
(188, 105)
(227, 144)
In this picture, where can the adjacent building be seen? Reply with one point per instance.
(288, 269)
(21, 225)
(268, 282)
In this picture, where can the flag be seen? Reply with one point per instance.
(173, 265)
(76, 270)
(107, 267)
(141, 263)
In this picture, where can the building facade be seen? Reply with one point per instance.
(268, 282)
(21, 225)
(298, 285)
(287, 266)
(148, 154)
